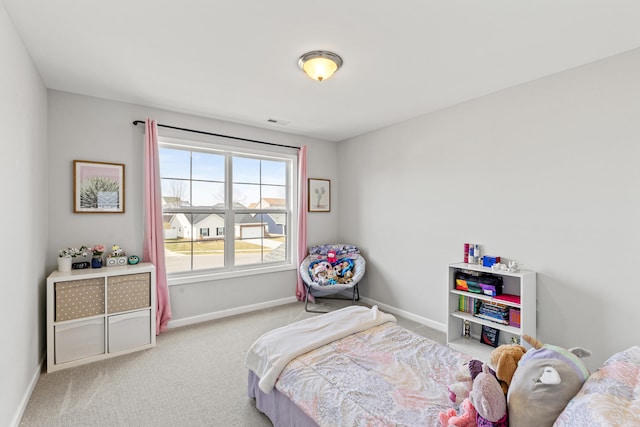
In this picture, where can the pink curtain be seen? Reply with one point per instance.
(302, 219)
(153, 248)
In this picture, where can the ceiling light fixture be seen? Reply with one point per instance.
(320, 64)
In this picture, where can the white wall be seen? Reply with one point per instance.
(545, 173)
(86, 128)
(23, 172)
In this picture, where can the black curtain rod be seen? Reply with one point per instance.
(137, 122)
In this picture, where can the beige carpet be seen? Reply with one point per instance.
(195, 376)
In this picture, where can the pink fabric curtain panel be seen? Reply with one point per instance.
(153, 248)
(301, 290)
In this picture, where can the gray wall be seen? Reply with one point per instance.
(86, 128)
(23, 172)
(545, 173)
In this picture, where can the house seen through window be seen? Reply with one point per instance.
(225, 210)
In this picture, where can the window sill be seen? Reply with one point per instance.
(189, 278)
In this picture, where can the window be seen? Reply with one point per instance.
(226, 209)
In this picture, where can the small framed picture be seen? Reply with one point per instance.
(98, 187)
(319, 195)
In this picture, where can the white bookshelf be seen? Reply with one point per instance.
(521, 283)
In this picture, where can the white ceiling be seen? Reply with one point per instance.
(236, 60)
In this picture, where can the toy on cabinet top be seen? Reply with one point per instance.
(116, 257)
(116, 251)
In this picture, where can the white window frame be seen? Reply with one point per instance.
(229, 271)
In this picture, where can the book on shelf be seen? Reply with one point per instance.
(467, 304)
(494, 312)
(493, 319)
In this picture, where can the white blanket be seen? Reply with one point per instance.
(270, 353)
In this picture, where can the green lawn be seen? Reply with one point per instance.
(211, 246)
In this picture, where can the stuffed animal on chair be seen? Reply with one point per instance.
(318, 271)
(332, 277)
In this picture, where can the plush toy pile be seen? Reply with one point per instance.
(460, 390)
(524, 388)
(332, 264)
(326, 273)
(480, 395)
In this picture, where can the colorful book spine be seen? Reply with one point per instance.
(466, 304)
(482, 316)
(495, 312)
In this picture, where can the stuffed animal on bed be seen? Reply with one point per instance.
(488, 399)
(546, 379)
(459, 390)
(467, 417)
(475, 367)
(459, 393)
(464, 377)
(504, 359)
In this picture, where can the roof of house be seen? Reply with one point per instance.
(268, 202)
(241, 218)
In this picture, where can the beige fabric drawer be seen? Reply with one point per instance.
(79, 298)
(128, 292)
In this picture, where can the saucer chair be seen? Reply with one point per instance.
(318, 290)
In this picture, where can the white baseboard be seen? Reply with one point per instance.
(230, 312)
(407, 315)
(27, 395)
(274, 303)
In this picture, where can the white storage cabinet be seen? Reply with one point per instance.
(93, 314)
(522, 283)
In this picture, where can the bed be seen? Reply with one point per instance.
(378, 374)
(357, 367)
(610, 397)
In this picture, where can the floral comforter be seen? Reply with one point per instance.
(384, 376)
(610, 397)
